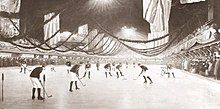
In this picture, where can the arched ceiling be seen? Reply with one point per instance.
(112, 14)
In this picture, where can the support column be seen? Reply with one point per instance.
(214, 11)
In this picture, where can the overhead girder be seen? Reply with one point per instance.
(181, 56)
(175, 56)
(194, 54)
(190, 55)
(206, 50)
(198, 52)
(185, 54)
(214, 48)
(201, 52)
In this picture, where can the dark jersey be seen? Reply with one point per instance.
(68, 63)
(107, 66)
(118, 66)
(206, 65)
(97, 64)
(144, 68)
(75, 69)
(36, 72)
(88, 66)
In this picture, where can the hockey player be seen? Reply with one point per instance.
(126, 65)
(52, 68)
(113, 68)
(170, 71)
(68, 64)
(97, 65)
(107, 68)
(118, 70)
(35, 80)
(23, 67)
(87, 69)
(74, 75)
(144, 71)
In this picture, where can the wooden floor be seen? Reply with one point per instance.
(183, 92)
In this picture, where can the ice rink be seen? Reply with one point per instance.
(186, 91)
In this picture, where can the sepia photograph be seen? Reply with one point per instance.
(109, 54)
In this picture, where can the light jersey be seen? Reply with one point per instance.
(24, 65)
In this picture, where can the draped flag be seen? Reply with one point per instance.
(83, 30)
(51, 28)
(10, 5)
(190, 1)
(157, 13)
(149, 10)
(92, 34)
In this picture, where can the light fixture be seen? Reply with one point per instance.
(128, 30)
(102, 5)
(103, 1)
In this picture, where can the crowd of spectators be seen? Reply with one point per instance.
(17, 61)
(208, 67)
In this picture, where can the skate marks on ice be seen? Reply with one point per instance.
(183, 92)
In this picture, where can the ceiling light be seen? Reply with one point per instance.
(128, 31)
(102, 5)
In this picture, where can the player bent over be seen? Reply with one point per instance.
(35, 80)
(74, 75)
(144, 71)
(107, 70)
(118, 70)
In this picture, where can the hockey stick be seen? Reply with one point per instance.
(28, 69)
(122, 75)
(45, 90)
(2, 87)
(138, 76)
(24, 66)
(124, 78)
(44, 79)
(81, 81)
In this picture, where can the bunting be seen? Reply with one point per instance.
(12, 6)
(190, 1)
(157, 13)
(83, 30)
(51, 28)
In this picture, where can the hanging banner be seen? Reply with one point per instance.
(6, 27)
(157, 13)
(83, 30)
(190, 1)
(51, 28)
(11, 6)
